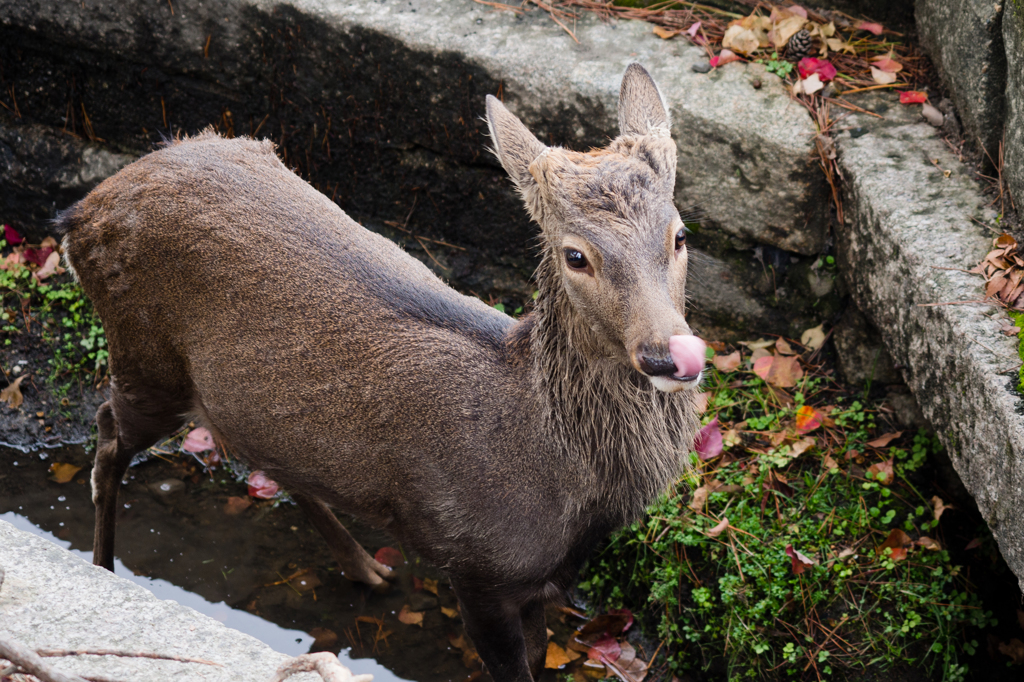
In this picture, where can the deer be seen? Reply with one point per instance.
(236, 296)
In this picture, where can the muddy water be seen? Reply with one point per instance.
(238, 567)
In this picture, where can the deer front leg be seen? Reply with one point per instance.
(496, 628)
(357, 565)
(535, 632)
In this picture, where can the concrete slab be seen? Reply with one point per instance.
(49, 598)
(909, 236)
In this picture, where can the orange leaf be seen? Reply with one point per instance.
(430, 585)
(556, 657)
(410, 617)
(785, 371)
(62, 473)
(665, 33)
(451, 613)
(808, 419)
(12, 394)
(236, 505)
(882, 472)
(898, 541)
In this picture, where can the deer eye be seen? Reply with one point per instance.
(680, 238)
(575, 260)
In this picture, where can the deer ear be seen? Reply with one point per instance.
(642, 109)
(514, 145)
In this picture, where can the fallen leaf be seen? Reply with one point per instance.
(785, 371)
(938, 507)
(730, 438)
(928, 543)
(973, 544)
(605, 649)
(741, 40)
(830, 463)
(556, 657)
(323, 639)
(898, 541)
(1015, 650)
(809, 85)
(760, 343)
(430, 585)
(783, 347)
(724, 57)
(883, 77)
(306, 581)
(726, 363)
(48, 242)
(261, 486)
(870, 27)
(800, 447)
(808, 419)
(694, 28)
(785, 28)
(820, 67)
(763, 365)
(884, 440)
(913, 97)
(1020, 618)
(236, 505)
(614, 622)
(886, 63)
(51, 266)
(813, 338)
(718, 529)
(37, 256)
(389, 556)
(932, 115)
(701, 402)
(410, 617)
(198, 440)
(12, 262)
(371, 620)
(708, 443)
(12, 236)
(799, 561)
(451, 613)
(665, 33)
(63, 473)
(12, 394)
(882, 472)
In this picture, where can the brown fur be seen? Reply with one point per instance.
(321, 353)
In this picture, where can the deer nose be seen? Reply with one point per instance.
(655, 364)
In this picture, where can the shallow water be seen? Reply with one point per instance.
(188, 548)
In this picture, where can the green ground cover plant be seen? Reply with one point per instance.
(804, 545)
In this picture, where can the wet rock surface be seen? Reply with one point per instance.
(908, 239)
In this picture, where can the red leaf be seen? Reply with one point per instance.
(808, 419)
(724, 57)
(605, 649)
(870, 27)
(198, 440)
(708, 442)
(389, 556)
(822, 67)
(973, 544)
(623, 612)
(37, 256)
(898, 541)
(884, 440)
(913, 97)
(887, 64)
(763, 365)
(800, 562)
(262, 487)
(12, 236)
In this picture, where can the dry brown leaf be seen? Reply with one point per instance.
(783, 347)
(830, 463)
(813, 338)
(410, 617)
(882, 472)
(451, 613)
(882, 77)
(61, 472)
(898, 541)
(718, 529)
(785, 29)
(556, 657)
(665, 33)
(928, 543)
(884, 439)
(758, 354)
(800, 447)
(760, 343)
(430, 585)
(12, 394)
(938, 507)
(726, 363)
(236, 505)
(1014, 649)
(785, 371)
(50, 267)
(740, 40)
(700, 496)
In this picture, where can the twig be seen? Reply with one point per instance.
(501, 6)
(324, 663)
(975, 302)
(49, 653)
(29, 661)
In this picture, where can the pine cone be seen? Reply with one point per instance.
(800, 45)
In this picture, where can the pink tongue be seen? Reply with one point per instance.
(687, 354)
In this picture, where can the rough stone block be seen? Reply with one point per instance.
(380, 102)
(908, 238)
(1013, 144)
(51, 599)
(964, 38)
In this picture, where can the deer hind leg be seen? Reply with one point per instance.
(535, 632)
(496, 627)
(124, 430)
(356, 563)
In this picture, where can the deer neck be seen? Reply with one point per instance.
(624, 438)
